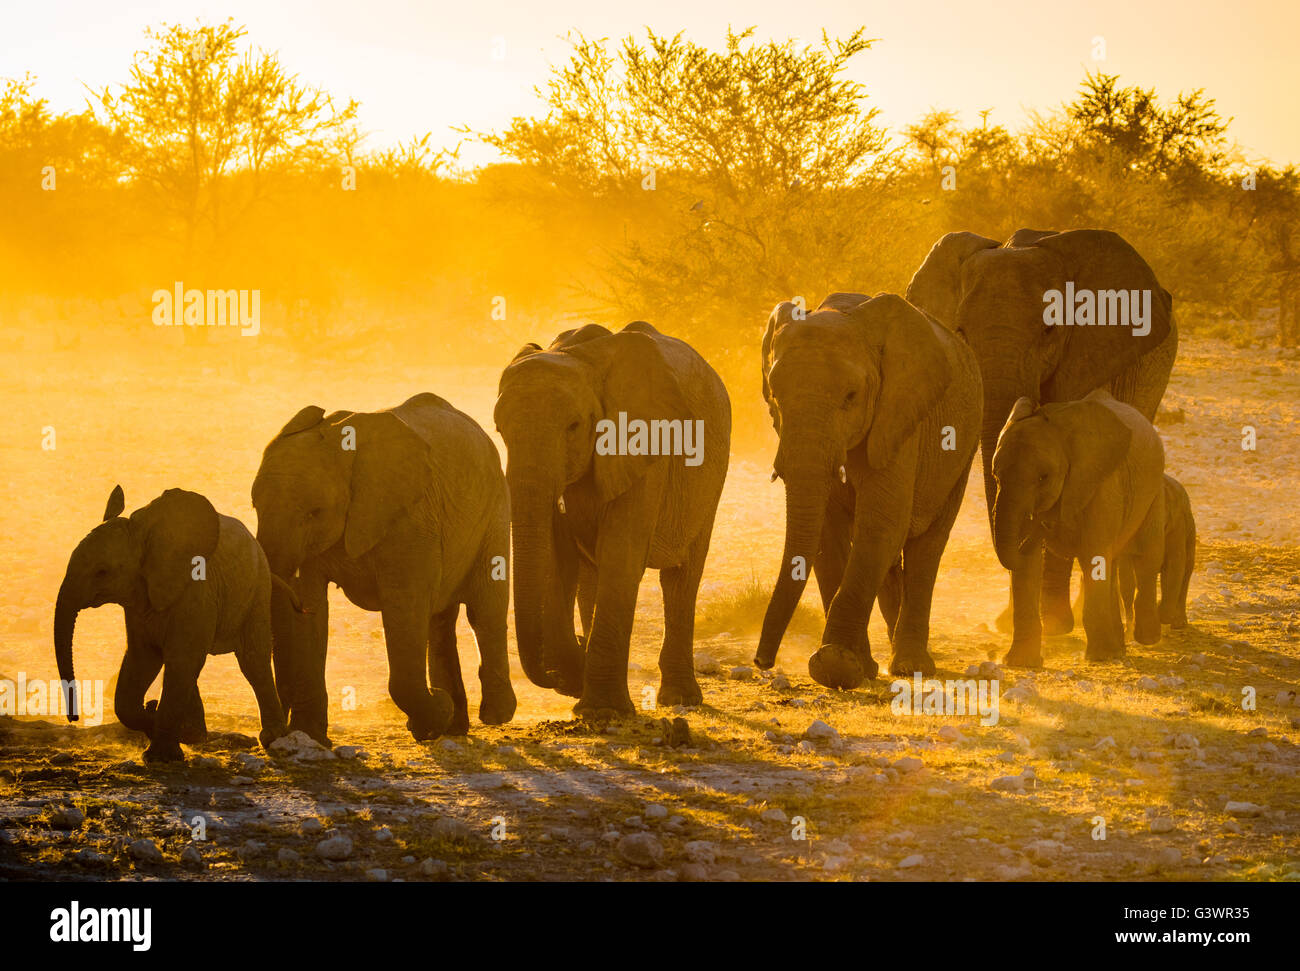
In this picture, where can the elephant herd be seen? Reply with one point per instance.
(617, 450)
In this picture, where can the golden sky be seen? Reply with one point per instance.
(425, 66)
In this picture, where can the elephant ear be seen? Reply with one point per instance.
(1028, 237)
(309, 417)
(175, 528)
(633, 377)
(116, 503)
(1096, 260)
(1095, 443)
(781, 315)
(843, 302)
(392, 469)
(1022, 409)
(936, 286)
(914, 372)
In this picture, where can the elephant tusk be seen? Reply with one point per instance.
(561, 505)
(844, 476)
(774, 476)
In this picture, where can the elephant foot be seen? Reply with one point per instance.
(1057, 617)
(840, 667)
(435, 719)
(1006, 621)
(268, 735)
(311, 726)
(459, 722)
(1147, 631)
(498, 707)
(567, 681)
(164, 752)
(1179, 622)
(908, 663)
(1103, 651)
(1024, 655)
(598, 705)
(764, 660)
(679, 691)
(193, 734)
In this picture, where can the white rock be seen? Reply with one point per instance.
(1161, 824)
(774, 815)
(1008, 783)
(742, 672)
(377, 876)
(916, 859)
(820, 732)
(1243, 809)
(641, 850)
(383, 835)
(950, 733)
(909, 765)
(335, 848)
(656, 812)
(700, 851)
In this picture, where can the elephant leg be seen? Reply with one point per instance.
(879, 530)
(837, 539)
(1054, 596)
(681, 585)
(140, 666)
(193, 728)
(1027, 634)
(622, 550)
(1102, 624)
(586, 593)
(444, 667)
(254, 657)
(1174, 578)
(921, 556)
(406, 615)
(890, 597)
(184, 655)
(487, 609)
(300, 645)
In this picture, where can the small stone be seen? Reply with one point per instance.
(692, 873)
(252, 849)
(1161, 824)
(1243, 809)
(383, 835)
(1169, 856)
(950, 733)
(656, 812)
(311, 826)
(90, 858)
(700, 851)
(641, 850)
(67, 817)
(821, 733)
(191, 857)
(1148, 683)
(335, 848)
(205, 762)
(706, 664)
(349, 752)
(915, 860)
(1008, 783)
(377, 876)
(1186, 741)
(909, 765)
(742, 672)
(243, 780)
(451, 828)
(286, 855)
(408, 861)
(144, 851)
(780, 682)
(449, 745)
(435, 869)
(1102, 744)
(774, 815)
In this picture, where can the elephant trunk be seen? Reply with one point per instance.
(1014, 530)
(998, 402)
(807, 472)
(66, 608)
(532, 501)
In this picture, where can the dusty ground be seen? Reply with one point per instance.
(1155, 748)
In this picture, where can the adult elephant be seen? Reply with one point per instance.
(407, 511)
(995, 296)
(592, 508)
(877, 409)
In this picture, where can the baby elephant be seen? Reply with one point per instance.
(1083, 477)
(192, 583)
(1178, 556)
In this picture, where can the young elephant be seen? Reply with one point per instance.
(617, 449)
(1178, 557)
(1085, 477)
(878, 411)
(192, 583)
(406, 510)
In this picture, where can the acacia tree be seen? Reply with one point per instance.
(204, 119)
(761, 158)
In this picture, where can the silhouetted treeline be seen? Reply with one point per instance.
(666, 181)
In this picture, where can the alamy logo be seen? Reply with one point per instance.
(73, 925)
(637, 436)
(48, 698)
(928, 696)
(1098, 308)
(208, 308)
